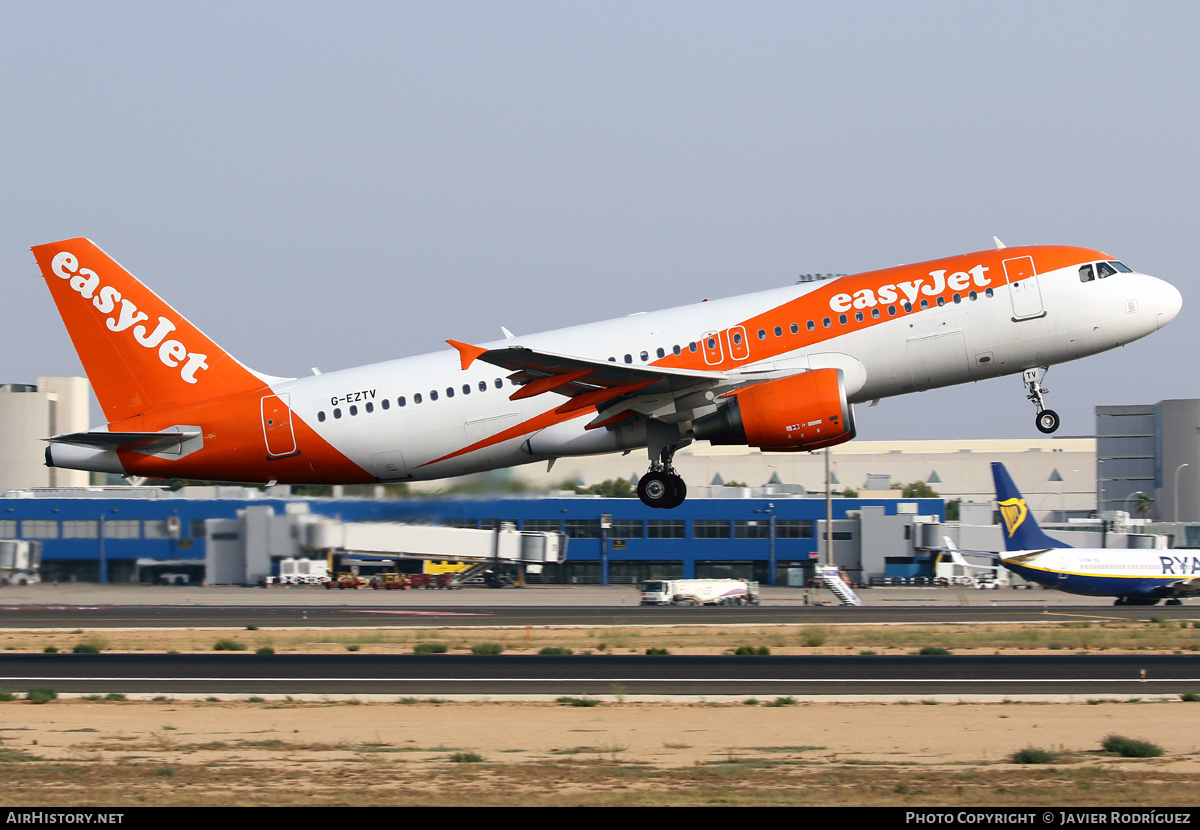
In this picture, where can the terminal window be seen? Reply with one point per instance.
(81, 529)
(665, 529)
(123, 529)
(627, 529)
(710, 529)
(583, 528)
(39, 528)
(542, 525)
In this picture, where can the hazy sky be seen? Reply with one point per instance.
(330, 184)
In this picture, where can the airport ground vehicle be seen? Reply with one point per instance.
(20, 561)
(389, 582)
(699, 592)
(778, 370)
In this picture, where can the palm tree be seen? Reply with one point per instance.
(1144, 505)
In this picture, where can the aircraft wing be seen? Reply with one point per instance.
(950, 547)
(649, 390)
(144, 442)
(1185, 587)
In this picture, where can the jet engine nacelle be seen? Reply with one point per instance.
(802, 412)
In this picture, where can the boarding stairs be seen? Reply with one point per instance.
(831, 579)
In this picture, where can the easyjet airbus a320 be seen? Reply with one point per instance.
(779, 370)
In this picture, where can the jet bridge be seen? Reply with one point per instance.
(506, 545)
(243, 551)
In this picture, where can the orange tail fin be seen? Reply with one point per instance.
(139, 353)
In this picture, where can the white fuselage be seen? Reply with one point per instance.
(434, 409)
(1107, 571)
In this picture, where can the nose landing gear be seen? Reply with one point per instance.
(1047, 420)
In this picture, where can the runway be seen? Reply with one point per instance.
(481, 616)
(499, 676)
(91, 608)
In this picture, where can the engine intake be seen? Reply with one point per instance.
(802, 412)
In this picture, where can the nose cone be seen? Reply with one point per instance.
(1167, 302)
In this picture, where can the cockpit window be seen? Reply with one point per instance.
(1086, 274)
(1122, 267)
(1104, 269)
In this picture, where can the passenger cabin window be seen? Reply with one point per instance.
(1086, 274)
(433, 395)
(661, 352)
(321, 417)
(417, 398)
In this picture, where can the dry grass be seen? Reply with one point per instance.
(1102, 635)
(300, 754)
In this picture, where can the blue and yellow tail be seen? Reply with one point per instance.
(1021, 531)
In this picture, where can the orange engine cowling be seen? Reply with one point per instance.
(802, 412)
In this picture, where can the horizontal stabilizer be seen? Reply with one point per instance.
(143, 442)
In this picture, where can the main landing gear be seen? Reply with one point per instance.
(662, 486)
(1047, 420)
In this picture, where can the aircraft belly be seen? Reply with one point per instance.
(1095, 585)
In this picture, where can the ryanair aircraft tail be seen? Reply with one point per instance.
(1021, 531)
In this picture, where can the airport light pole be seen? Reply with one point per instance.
(1177, 470)
(828, 515)
(1131, 495)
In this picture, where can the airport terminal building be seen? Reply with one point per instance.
(137, 534)
(749, 514)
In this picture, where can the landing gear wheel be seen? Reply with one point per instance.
(1047, 421)
(656, 489)
(680, 492)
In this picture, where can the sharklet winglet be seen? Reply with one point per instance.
(467, 353)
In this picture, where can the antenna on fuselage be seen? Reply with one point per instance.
(999, 244)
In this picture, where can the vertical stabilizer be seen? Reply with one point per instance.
(1021, 530)
(139, 353)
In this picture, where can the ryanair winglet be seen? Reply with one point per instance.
(1021, 530)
